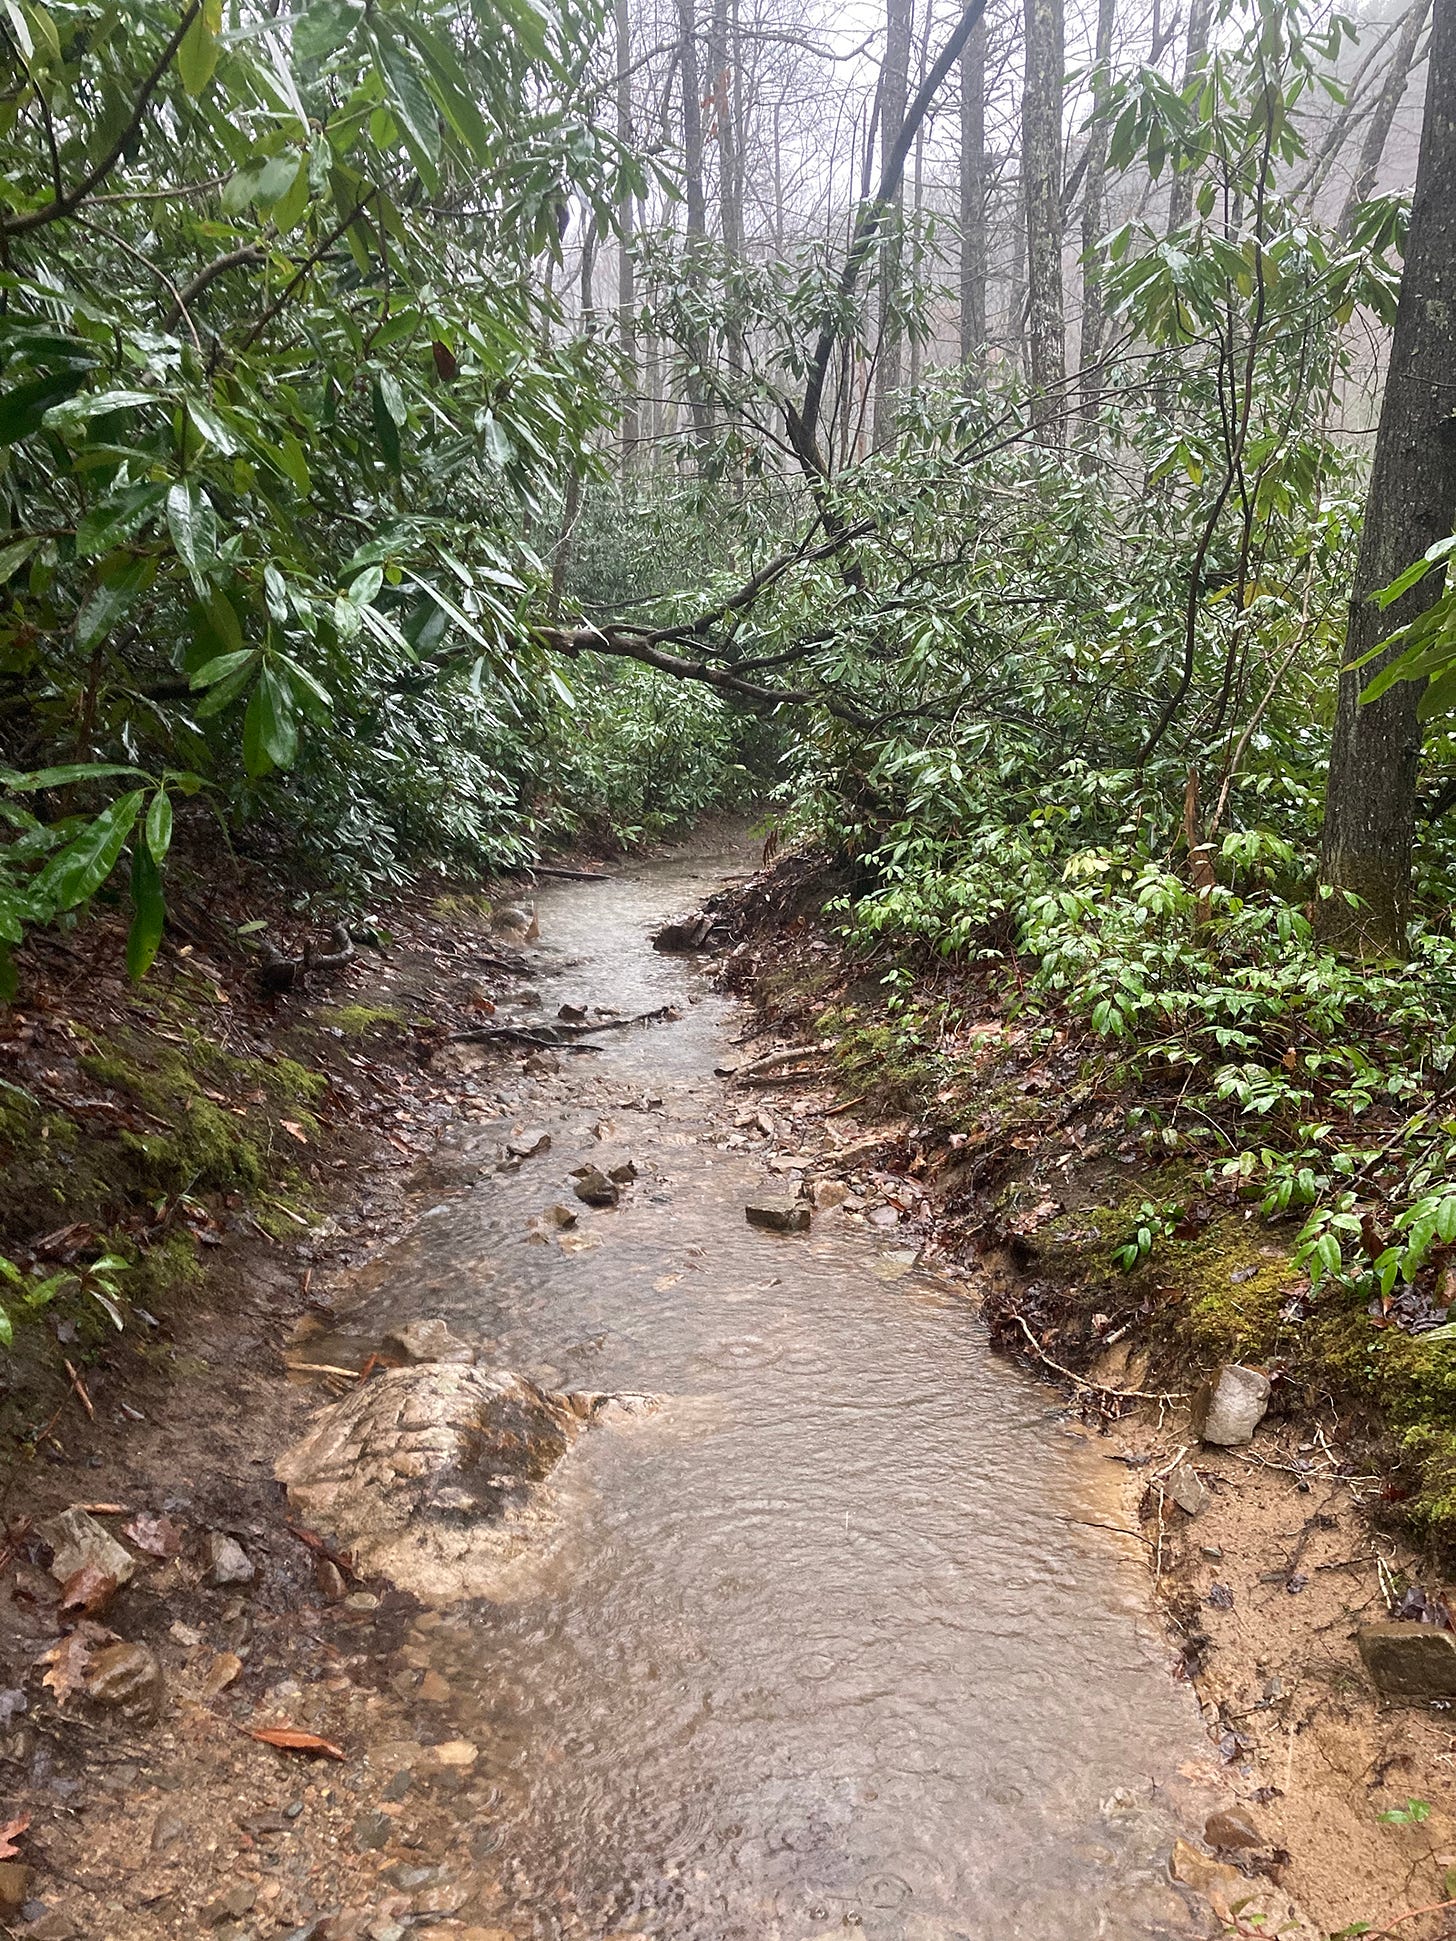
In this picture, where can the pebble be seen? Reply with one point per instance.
(225, 1667)
(1409, 1660)
(232, 1905)
(454, 1752)
(129, 1677)
(526, 1145)
(361, 1601)
(167, 1830)
(1231, 1827)
(372, 1831)
(14, 1888)
(434, 1689)
(227, 1561)
(54, 1926)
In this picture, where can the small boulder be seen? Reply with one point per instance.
(231, 1906)
(779, 1213)
(128, 1677)
(1231, 1827)
(830, 1193)
(1409, 1660)
(594, 1188)
(418, 1342)
(227, 1561)
(526, 1145)
(624, 1172)
(1230, 1405)
(80, 1542)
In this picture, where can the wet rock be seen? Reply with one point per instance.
(434, 1690)
(778, 1213)
(1245, 1905)
(168, 1831)
(225, 1668)
(1409, 1660)
(687, 933)
(426, 1340)
(431, 1475)
(624, 1172)
(54, 1926)
(526, 1145)
(129, 1678)
(543, 1064)
(329, 1580)
(1187, 1489)
(594, 1188)
(231, 1906)
(14, 1888)
(372, 1832)
(1230, 1405)
(1231, 1827)
(227, 1561)
(80, 1542)
(829, 1193)
(456, 1754)
(572, 1014)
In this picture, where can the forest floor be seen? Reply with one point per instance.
(320, 1123)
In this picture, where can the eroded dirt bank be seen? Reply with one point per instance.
(758, 1599)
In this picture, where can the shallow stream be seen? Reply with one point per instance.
(843, 1637)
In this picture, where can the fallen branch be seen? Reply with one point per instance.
(1095, 1388)
(560, 1037)
(500, 1034)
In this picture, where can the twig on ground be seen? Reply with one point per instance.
(1096, 1388)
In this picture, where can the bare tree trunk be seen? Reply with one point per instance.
(1016, 286)
(626, 270)
(696, 204)
(894, 92)
(723, 56)
(1382, 115)
(973, 195)
(1094, 214)
(1180, 196)
(1041, 168)
(1370, 801)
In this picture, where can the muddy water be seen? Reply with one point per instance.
(836, 1640)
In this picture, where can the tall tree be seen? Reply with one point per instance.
(1180, 196)
(1094, 207)
(696, 205)
(1041, 170)
(1370, 801)
(894, 91)
(1382, 116)
(626, 268)
(973, 194)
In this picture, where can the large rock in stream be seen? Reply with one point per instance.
(433, 1475)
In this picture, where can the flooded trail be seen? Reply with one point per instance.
(837, 1639)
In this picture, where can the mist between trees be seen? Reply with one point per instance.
(432, 430)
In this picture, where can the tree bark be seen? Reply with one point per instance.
(973, 195)
(696, 205)
(1041, 169)
(626, 269)
(1382, 115)
(894, 92)
(1370, 801)
(1180, 196)
(1094, 210)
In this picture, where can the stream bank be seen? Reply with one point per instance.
(801, 1647)
(970, 1142)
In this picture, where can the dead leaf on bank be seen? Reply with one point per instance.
(88, 1590)
(10, 1833)
(157, 1535)
(289, 1739)
(69, 1658)
(295, 1129)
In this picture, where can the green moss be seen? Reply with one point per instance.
(360, 1020)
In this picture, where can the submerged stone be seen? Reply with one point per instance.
(779, 1213)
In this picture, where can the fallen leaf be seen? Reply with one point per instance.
(292, 1126)
(159, 1536)
(69, 1658)
(289, 1739)
(10, 1833)
(88, 1590)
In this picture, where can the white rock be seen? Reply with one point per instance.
(1230, 1405)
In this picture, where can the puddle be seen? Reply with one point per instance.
(833, 1641)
